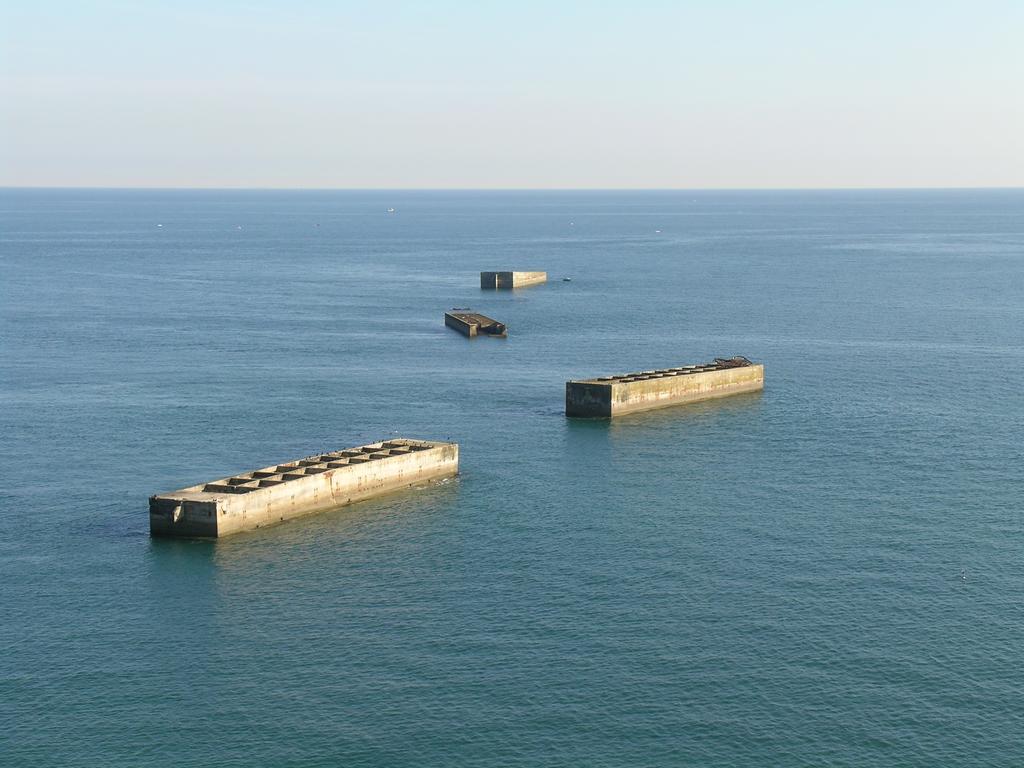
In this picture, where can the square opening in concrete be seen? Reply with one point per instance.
(223, 488)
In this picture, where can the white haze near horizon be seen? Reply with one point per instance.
(512, 95)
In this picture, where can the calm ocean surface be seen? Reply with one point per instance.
(776, 579)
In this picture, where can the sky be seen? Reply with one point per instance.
(438, 94)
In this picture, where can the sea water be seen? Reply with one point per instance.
(825, 573)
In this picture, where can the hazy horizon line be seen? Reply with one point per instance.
(85, 187)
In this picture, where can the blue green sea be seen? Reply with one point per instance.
(828, 573)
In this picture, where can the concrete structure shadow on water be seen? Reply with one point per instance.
(608, 396)
(297, 488)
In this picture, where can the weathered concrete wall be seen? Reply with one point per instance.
(511, 279)
(474, 324)
(617, 395)
(297, 488)
(460, 325)
(583, 398)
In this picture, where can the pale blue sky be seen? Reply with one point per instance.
(512, 94)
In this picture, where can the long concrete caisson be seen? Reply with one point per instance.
(296, 488)
(473, 324)
(511, 279)
(630, 392)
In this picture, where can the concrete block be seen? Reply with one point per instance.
(631, 392)
(471, 323)
(511, 279)
(302, 487)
